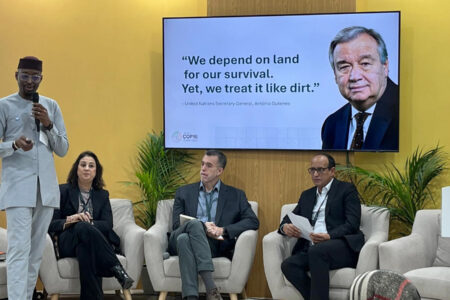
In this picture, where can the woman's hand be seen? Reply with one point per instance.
(86, 217)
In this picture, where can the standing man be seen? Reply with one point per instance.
(333, 209)
(31, 129)
(222, 213)
(369, 121)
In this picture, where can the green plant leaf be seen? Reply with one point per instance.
(159, 173)
(402, 193)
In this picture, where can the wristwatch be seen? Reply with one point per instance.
(49, 127)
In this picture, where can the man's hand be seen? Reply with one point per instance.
(24, 143)
(291, 230)
(40, 113)
(214, 231)
(319, 237)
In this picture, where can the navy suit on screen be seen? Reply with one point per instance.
(383, 129)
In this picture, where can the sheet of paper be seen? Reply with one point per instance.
(301, 223)
(185, 218)
(43, 138)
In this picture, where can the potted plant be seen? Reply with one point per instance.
(159, 172)
(403, 193)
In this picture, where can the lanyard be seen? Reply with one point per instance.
(208, 202)
(85, 205)
(317, 212)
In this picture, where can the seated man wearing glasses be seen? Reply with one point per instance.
(334, 212)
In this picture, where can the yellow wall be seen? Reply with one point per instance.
(424, 79)
(102, 63)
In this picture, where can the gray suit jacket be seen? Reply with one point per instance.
(20, 169)
(234, 213)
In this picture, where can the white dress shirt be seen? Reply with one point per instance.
(319, 209)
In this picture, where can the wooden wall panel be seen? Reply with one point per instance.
(272, 178)
(272, 7)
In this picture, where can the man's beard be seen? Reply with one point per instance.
(29, 94)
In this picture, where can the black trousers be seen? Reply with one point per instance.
(94, 254)
(319, 259)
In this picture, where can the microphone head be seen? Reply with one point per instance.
(35, 97)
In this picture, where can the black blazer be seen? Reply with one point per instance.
(234, 213)
(342, 214)
(102, 214)
(383, 130)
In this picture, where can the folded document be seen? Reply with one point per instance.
(303, 224)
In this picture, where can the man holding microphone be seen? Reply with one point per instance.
(31, 129)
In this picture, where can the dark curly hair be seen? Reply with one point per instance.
(98, 182)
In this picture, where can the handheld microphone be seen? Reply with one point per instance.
(36, 100)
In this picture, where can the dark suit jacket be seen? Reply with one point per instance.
(342, 214)
(382, 133)
(234, 213)
(102, 214)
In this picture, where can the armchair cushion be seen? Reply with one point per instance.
(443, 249)
(432, 282)
(342, 278)
(442, 253)
(68, 267)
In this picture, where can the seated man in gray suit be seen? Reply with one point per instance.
(222, 213)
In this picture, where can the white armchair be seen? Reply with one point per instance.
(62, 276)
(229, 276)
(3, 247)
(413, 256)
(276, 248)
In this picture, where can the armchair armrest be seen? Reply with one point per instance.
(155, 244)
(274, 249)
(403, 254)
(48, 271)
(368, 257)
(241, 264)
(3, 240)
(132, 245)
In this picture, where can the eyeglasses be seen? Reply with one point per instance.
(318, 170)
(26, 77)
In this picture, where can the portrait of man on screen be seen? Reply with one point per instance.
(370, 119)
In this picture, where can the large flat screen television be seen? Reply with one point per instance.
(285, 82)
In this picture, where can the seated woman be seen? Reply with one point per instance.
(83, 227)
